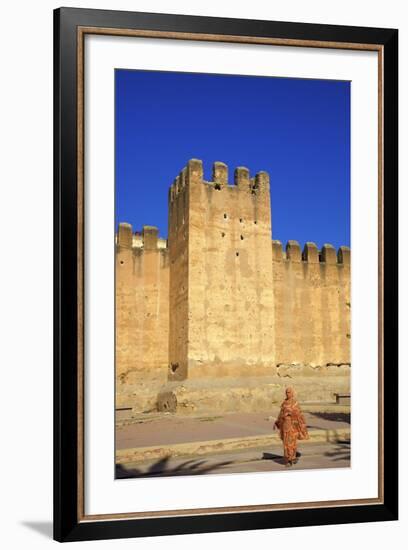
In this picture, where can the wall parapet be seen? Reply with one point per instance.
(147, 239)
(194, 173)
(310, 254)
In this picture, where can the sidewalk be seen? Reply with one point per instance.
(157, 436)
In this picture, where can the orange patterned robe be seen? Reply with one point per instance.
(292, 426)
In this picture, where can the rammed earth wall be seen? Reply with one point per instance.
(219, 298)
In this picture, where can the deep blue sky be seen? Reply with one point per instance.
(297, 130)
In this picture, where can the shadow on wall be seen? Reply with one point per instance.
(161, 468)
(44, 528)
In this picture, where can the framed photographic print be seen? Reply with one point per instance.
(225, 274)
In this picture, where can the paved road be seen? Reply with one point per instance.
(166, 429)
(312, 455)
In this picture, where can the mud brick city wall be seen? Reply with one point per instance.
(312, 304)
(142, 305)
(219, 298)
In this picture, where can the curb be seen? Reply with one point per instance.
(198, 448)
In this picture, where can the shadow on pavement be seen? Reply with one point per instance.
(332, 416)
(162, 468)
(277, 458)
(341, 451)
(271, 456)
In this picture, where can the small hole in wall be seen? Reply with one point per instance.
(225, 216)
(255, 222)
(240, 220)
(222, 234)
(174, 367)
(237, 253)
(242, 237)
(121, 262)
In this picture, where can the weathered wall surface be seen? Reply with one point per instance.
(222, 253)
(142, 308)
(312, 304)
(179, 277)
(221, 301)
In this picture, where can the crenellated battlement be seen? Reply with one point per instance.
(147, 239)
(310, 254)
(193, 173)
(220, 294)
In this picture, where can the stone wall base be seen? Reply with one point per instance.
(235, 394)
(249, 395)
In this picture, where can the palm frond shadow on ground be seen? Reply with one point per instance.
(161, 467)
(340, 452)
(332, 416)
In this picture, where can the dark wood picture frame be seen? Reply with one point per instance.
(70, 27)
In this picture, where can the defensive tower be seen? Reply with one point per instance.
(221, 285)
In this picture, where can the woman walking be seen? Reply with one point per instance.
(291, 425)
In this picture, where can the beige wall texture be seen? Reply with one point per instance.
(142, 307)
(220, 298)
(312, 304)
(221, 273)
